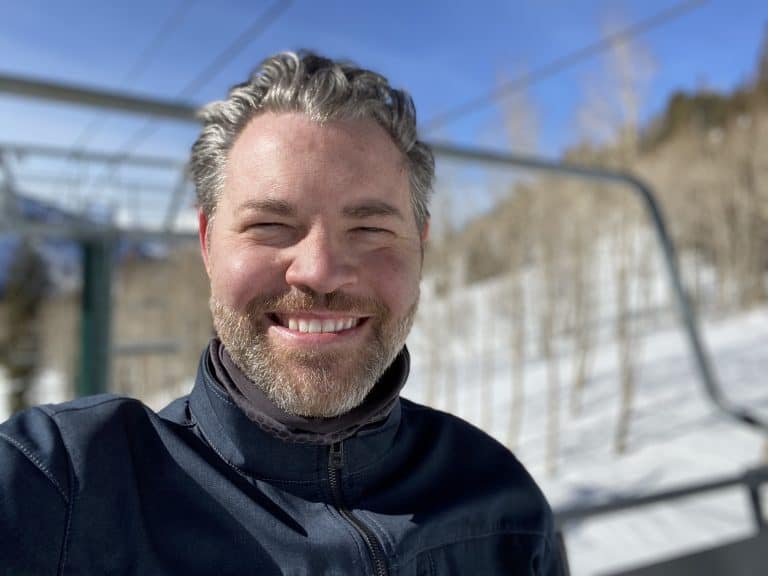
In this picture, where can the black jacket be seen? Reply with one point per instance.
(103, 485)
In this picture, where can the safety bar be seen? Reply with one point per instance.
(752, 479)
(687, 316)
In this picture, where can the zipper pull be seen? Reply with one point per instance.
(336, 456)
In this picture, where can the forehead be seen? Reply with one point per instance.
(290, 156)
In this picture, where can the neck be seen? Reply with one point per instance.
(264, 413)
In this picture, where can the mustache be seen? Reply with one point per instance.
(308, 301)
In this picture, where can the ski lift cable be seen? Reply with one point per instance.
(141, 63)
(558, 65)
(256, 29)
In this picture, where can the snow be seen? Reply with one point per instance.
(677, 436)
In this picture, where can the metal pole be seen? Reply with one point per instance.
(8, 200)
(95, 328)
(90, 156)
(177, 198)
(85, 96)
(684, 308)
(565, 516)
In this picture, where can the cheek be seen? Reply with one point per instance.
(236, 277)
(396, 278)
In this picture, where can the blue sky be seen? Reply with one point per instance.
(442, 52)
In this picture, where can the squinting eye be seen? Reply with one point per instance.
(372, 230)
(269, 231)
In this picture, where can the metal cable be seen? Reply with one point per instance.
(258, 27)
(557, 65)
(170, 25)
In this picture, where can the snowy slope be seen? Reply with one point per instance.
(676, 435)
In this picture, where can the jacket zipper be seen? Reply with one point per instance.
(335, 464)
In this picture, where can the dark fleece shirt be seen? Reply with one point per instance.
(254, 403)
(104, 485)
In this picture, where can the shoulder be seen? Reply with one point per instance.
(90, 433)
(40, 433)
(48, 436)
(478, 466)
(458, 433)
(38, 429)
(476, 493)
(35, 445)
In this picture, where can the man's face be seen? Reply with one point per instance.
(314, 258)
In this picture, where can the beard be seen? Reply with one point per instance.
(309, 381)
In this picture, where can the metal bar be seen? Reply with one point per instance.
(91, 156)
(147, 348)
(177, 198)
(757, 506)
(684, 308)
(31, 178)
(81, 231)
(10, 206)
(94, 97)
(564, 516)
(755, 478)
(96, 318)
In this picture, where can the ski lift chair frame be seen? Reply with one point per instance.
(732, 559)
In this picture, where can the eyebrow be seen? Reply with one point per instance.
(372, 208)
(269, 206)
(361, 210)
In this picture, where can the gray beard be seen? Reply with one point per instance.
(309, 382)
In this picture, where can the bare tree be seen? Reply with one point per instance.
(629, 71)
(626, 335)
(580, 255)
(546, 217)
(521, 123)
(515, 309)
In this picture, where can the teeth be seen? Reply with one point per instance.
(315, 325)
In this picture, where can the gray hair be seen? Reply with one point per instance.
(324, 90)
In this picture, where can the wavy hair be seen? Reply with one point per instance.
(324, 90)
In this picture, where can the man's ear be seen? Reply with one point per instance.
(203, 229)
(425, 232)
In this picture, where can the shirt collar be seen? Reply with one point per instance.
(283, 452)
(261, 410)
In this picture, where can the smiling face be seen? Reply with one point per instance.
(314, 258)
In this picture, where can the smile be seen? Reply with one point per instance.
(314, 325)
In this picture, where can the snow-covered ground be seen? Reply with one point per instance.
(676, 435)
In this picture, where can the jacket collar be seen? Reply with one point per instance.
(274, 454)
(299, 429)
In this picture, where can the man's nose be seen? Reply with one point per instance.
(321, 264)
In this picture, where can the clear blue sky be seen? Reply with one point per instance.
(443, 52)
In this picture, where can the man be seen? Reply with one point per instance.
(293, 454)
